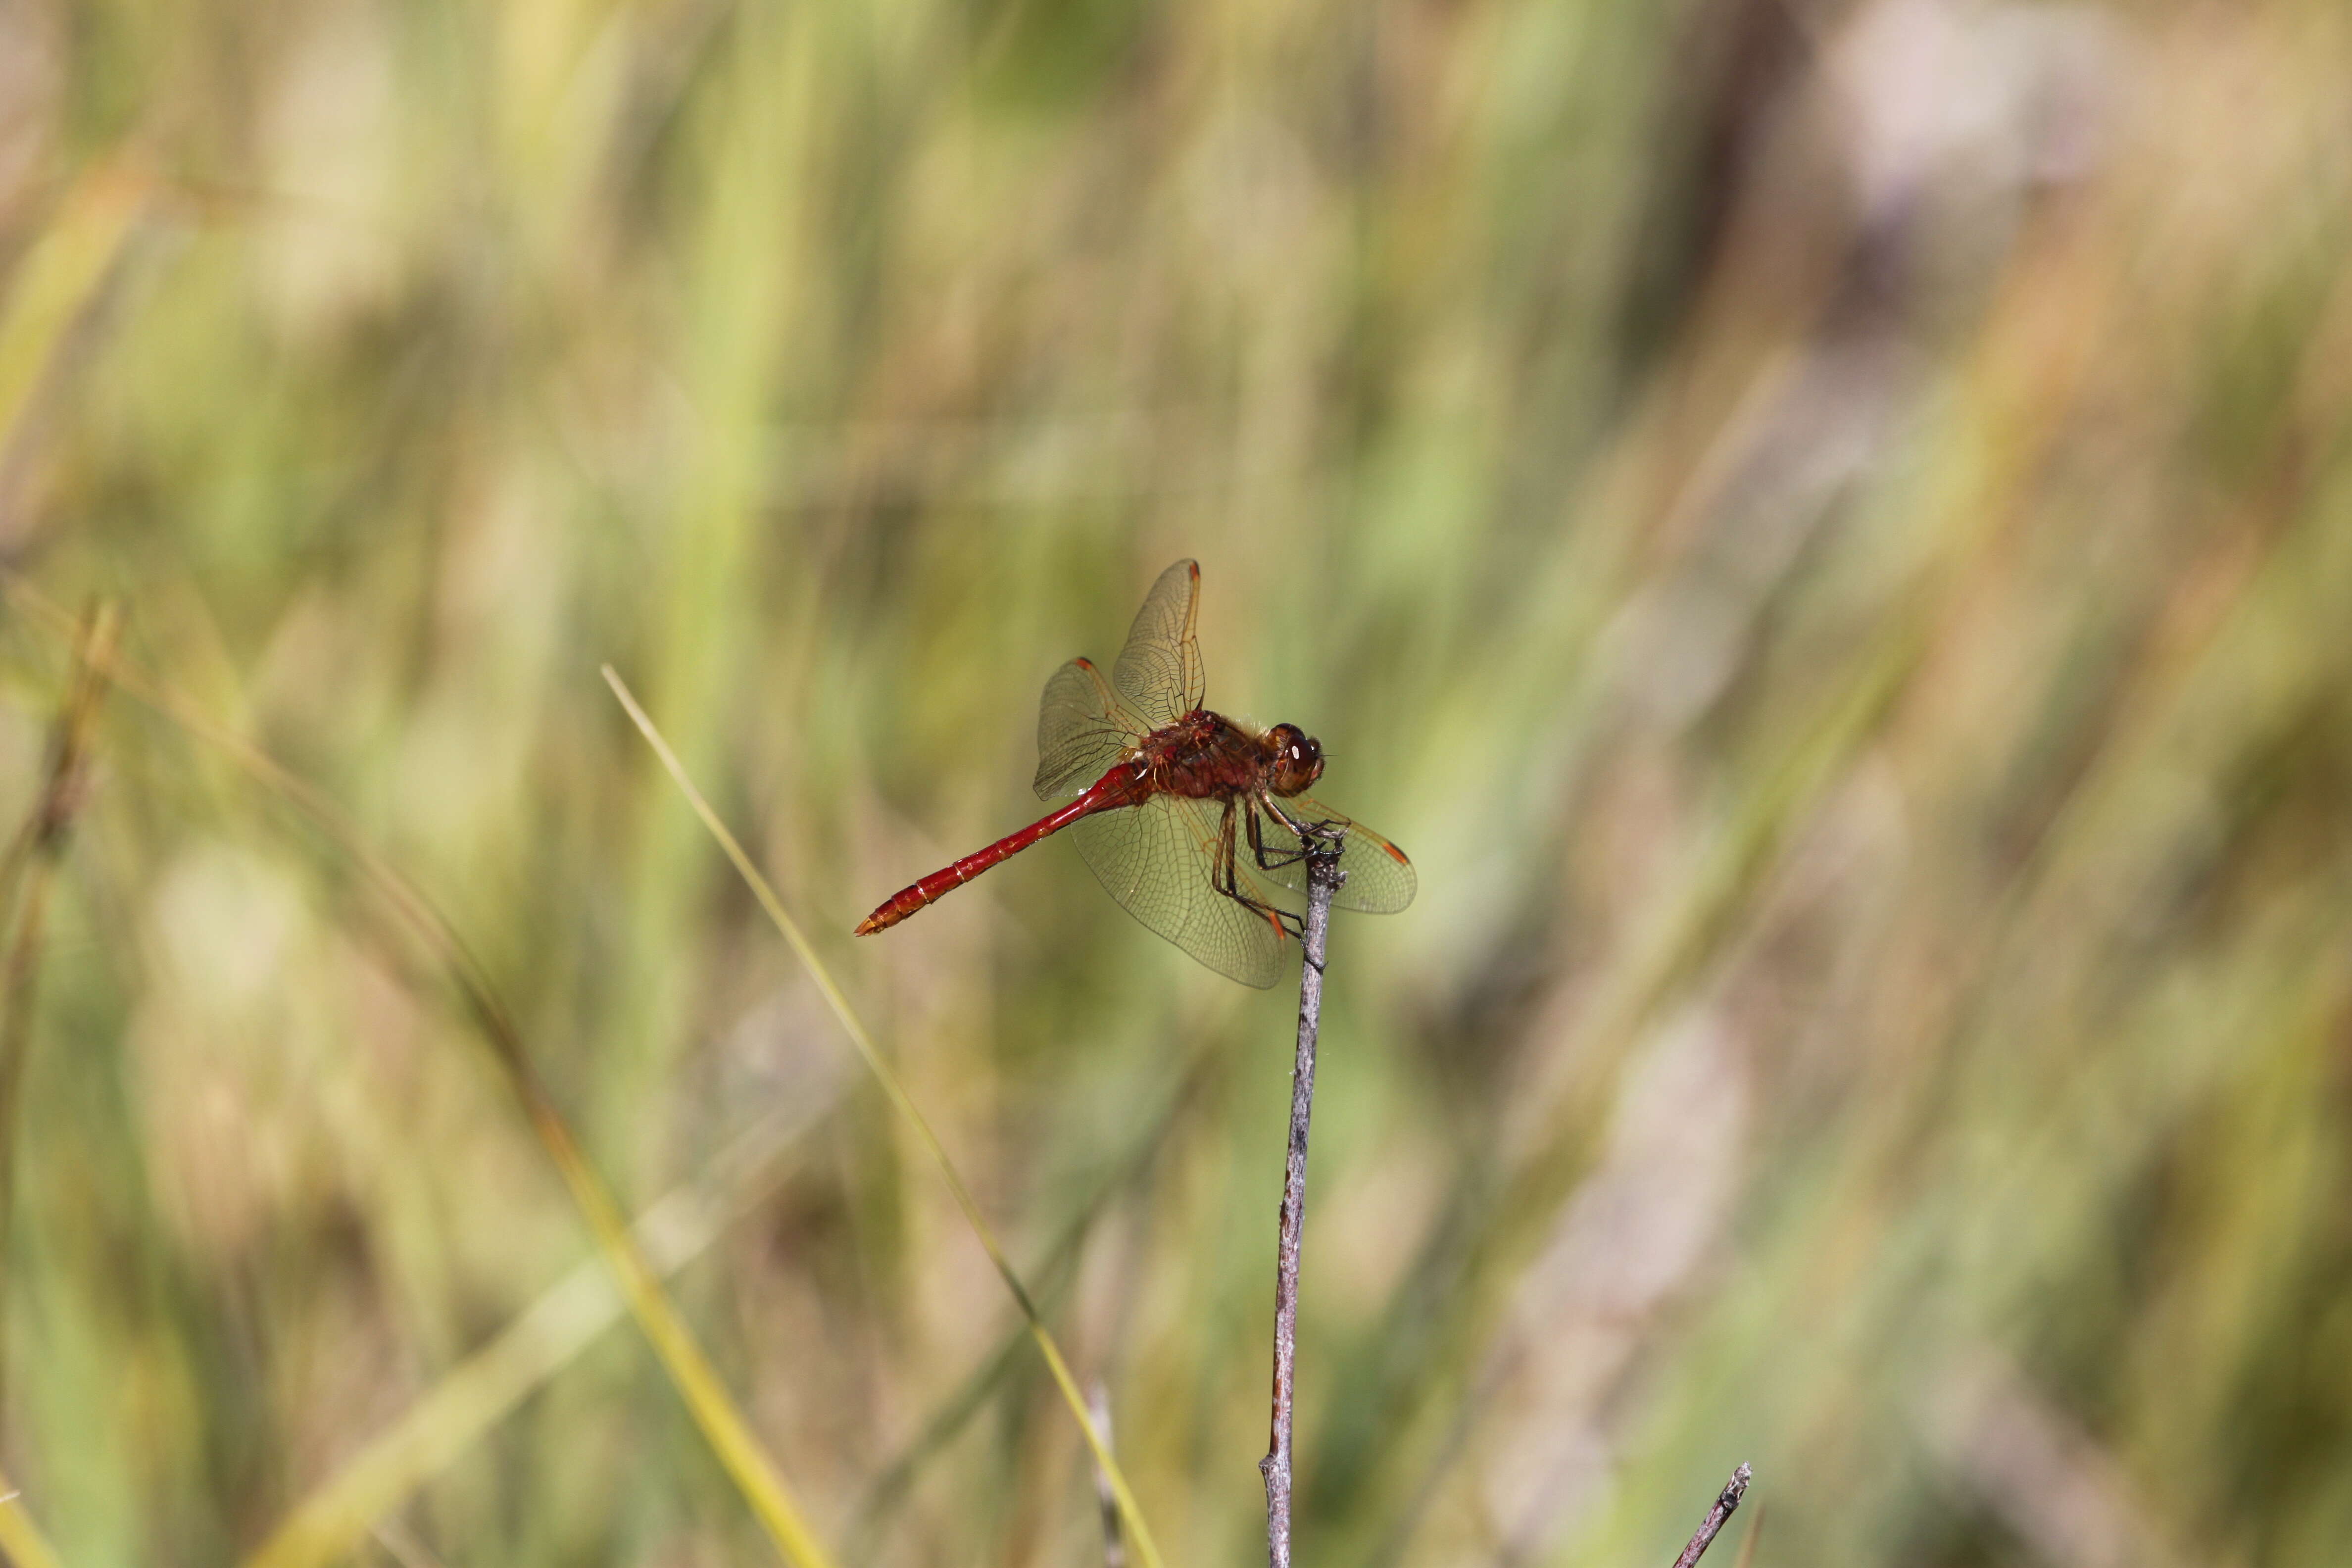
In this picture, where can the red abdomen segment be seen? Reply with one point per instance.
(1113, 789)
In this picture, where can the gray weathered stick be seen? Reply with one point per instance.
(1716, 1516)
(1323, 879)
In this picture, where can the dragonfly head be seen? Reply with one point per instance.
(1298, 759)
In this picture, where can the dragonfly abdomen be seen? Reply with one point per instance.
(1117, 788)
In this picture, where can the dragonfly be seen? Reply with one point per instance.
(1189, 819)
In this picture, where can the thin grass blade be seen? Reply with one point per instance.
(21, 1540)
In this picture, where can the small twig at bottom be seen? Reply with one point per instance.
(1716, 1516)
(1323, 879)
(1114, 1549)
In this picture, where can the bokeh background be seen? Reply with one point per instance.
(1823, 526)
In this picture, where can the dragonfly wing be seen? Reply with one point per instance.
(1081, 730)
(1158, 672)
(1381, 880)
(1159, 861)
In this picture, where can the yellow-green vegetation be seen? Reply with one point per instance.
(1823, 526)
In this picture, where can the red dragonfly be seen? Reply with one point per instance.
(1184, 815)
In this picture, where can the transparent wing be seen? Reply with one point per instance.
(1158, 672)
(1159, 860)
(1081, 730)
(1381, 880)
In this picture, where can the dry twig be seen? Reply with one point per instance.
(1114, 1549)
(1323, 879)
(1717, 1518)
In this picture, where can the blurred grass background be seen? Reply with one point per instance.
(1822, 525)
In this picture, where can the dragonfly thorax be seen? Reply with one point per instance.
(1207, 756)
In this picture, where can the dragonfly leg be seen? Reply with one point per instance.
(1266, 861)
(1270, 860)
(1229, 880)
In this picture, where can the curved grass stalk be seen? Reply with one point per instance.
(897, 1090)
(713, 1409)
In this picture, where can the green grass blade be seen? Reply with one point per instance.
(21, 1540)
